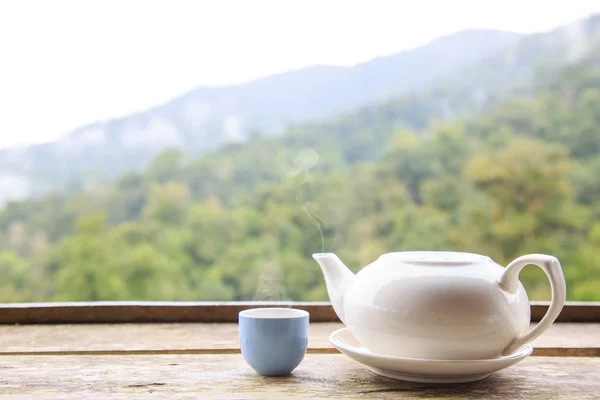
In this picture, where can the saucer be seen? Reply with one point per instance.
(422, 370)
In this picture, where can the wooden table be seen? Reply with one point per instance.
(202, 360)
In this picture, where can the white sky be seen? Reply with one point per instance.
(64, 64)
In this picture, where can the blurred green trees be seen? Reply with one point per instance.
(241, 223)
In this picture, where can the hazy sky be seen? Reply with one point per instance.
(64, 64)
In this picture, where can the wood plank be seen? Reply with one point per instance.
(319, 376)
(146, 311)
(562, 339)
(120, 312)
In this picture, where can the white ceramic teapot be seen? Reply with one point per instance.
(439, 305)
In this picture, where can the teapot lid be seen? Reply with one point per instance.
(437, 257)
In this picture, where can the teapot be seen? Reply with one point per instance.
(439, 305)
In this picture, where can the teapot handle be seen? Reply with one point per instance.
(509, 281)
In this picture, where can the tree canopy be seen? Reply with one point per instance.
(242, 222)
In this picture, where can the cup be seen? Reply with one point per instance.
(273, 340)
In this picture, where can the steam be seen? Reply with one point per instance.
(270, 286)
(310, 209)
(304, 161)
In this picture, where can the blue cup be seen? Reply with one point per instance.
(273, 340)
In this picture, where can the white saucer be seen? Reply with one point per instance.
(421, 370)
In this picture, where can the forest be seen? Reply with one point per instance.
(241, 223)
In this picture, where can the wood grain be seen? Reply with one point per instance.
(145, 311)
(121, 312)
(562, 339)
(319, 376)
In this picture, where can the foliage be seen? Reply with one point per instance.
(241, 223)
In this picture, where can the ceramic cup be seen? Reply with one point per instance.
(273, 340)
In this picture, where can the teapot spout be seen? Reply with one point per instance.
(337, 278)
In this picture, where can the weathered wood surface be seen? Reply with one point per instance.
(562, 339)
(319, 376)
(147, 311)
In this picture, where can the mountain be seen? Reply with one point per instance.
(240, 222)
(206, 118)
(452, 77)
